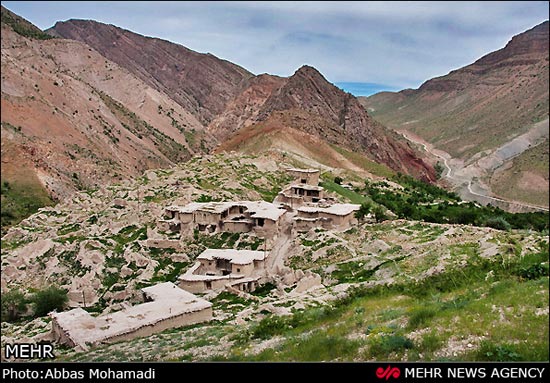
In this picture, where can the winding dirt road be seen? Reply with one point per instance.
(464, 184)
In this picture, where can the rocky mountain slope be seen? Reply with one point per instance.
(106, 104)
(201, 83)
(76, 120)
(228, 98)
(306, 104)
(474, 110)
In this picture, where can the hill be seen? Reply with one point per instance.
(226, 97)
(71, 119)
(382, 290)
(473, 111)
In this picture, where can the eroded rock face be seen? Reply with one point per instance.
(201, 83)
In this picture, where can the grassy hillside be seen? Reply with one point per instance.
(22, 193)
(526, 178)
(392, 290)
(479, 309)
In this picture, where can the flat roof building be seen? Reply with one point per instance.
(166, 306)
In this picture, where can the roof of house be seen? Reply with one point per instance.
(169, 301)
(336, 209)
(306, 187)
(258, 209)
(302, 170)
(238, 257)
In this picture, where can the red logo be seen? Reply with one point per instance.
(389, 372)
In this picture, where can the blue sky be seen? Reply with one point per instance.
(393, 45)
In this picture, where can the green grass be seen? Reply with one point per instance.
(21, 198)
(363, 162)
(349, 195)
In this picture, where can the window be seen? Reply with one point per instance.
(208, 285)
(303, 180)
(238, 270)
(261, 222)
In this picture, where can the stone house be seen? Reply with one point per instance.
(305, 176)
(213, 217)
(216, 268)
(166, 306)
(337, 216)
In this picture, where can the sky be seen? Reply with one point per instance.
(363, 46)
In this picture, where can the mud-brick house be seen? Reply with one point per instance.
(339, 216)
(216, 268)
(214, 217)
(304, 176)
(166, 306)
(297, 195)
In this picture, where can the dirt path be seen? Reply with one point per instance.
(465, 183)
(282, 245)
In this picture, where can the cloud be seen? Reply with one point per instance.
(400, 44)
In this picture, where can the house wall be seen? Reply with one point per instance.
(60, 336)
(207, 267)
(185, 217)
(185, 319)
(245, 286)
(200, 286)
(303, 225)
(311, 178)
(207, 218)
(269, 229)
(236, 226)
(246, 270)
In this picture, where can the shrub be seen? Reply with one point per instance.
(383, 345)
(420, 317)
(338, 180)
(14, 304)
(363, 210)
(49, 299)
(498, 223)
(498, 353)
(379, 213)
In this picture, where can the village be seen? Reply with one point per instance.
(301, 206)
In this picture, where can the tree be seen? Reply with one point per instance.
(14, 304)
(379, 213)
(49, 299)
(438, 170)
(338, 180)
(363, 210)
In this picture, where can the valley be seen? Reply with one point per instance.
(466, 180)
(484, 116)
(165, 205)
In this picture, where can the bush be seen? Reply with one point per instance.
(498, 223)
(498, 353)
(363, 210)
(50, 299)
(379, 214)
(420, 317)
(338, 180)
(383, 345)
(14, 304)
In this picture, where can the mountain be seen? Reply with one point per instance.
(201, 83)
(307, 108)
(71, 119)
(228, 98)
(98, 104)
(475, 112)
